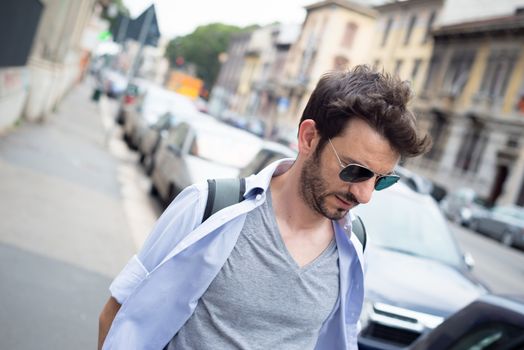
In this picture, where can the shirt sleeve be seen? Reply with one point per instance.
(182, 216)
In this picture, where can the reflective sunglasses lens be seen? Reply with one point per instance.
(355, 173)
(386, 181)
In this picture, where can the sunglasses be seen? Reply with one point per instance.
(358, 173)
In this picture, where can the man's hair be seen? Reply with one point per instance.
(377, 98)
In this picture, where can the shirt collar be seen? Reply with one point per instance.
(259, 183)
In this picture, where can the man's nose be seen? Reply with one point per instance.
(363, 190)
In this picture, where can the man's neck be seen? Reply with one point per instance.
(289, 206)
(305, 233)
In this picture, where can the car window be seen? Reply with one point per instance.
(257, 163)
(178, 136)
(163, 122)
(223, 146)
(158, 100)
(488, 336)
(398, 222)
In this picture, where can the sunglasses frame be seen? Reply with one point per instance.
(393, 178)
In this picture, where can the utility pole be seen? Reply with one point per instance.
(144, 31)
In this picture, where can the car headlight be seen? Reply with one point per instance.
(466, 214)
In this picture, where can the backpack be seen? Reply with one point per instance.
(226, 192)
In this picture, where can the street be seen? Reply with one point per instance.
(76, 206)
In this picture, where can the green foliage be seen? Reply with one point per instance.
(121, 8)
(202, 48)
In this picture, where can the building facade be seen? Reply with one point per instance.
(335, 35)
(403, 42)
(48, 58)
(54, 63)
(223, 96)
(472, 104)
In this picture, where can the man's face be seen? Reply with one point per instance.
(320, 184)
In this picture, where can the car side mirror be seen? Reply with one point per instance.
(468, 260)
(173, 148)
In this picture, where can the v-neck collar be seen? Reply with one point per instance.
(282, 245)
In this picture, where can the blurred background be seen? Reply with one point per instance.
(109, 108)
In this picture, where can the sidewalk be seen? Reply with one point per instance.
(66, 204)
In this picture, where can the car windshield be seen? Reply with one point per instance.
(158, 101)
(225, 146)
(511, 212)
(413, 226)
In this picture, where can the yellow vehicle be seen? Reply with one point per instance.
(185, 84)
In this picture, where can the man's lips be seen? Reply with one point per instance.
(345, 203)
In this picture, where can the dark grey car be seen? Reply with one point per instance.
(416, 274)
(504, 223)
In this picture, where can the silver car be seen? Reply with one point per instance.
(153, 134)
(459, 206)
(200, 149)
(269, 152)
(154, 103)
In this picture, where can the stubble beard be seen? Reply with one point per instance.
(313, 190)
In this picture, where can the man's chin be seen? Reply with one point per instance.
(337, 214)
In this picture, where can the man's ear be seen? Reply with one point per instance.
(307, 137)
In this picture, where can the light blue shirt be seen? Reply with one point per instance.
(159, 287)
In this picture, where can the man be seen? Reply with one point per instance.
(280, 269)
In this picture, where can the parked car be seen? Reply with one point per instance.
(460, 205)
(113, 82)
(200, 149)
(288, 137)
(420, 183)
(504, 223)
(491, 322)
(155, 102)
(269, 152)
(416, 275)
(132, 94)
(154, 133)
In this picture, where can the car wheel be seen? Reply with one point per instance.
(120, 117)
(126, 139)
(474, 225)
(507, 239)
(153, 190)
(172, 194)
(149, 164)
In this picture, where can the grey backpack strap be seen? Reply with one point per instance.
(358, 228)
(223, 193)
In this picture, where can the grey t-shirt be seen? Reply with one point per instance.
(261, 298)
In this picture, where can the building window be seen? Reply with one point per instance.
(429, 27)
(389, 24)
(409, 30)
(398, 67)
(498, 72)
(349, 35)
(472, 148)
(415, 70)
(457, 73)
(341, 63)
(434, 67)
(439, 133)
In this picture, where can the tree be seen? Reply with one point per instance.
(202, 48)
